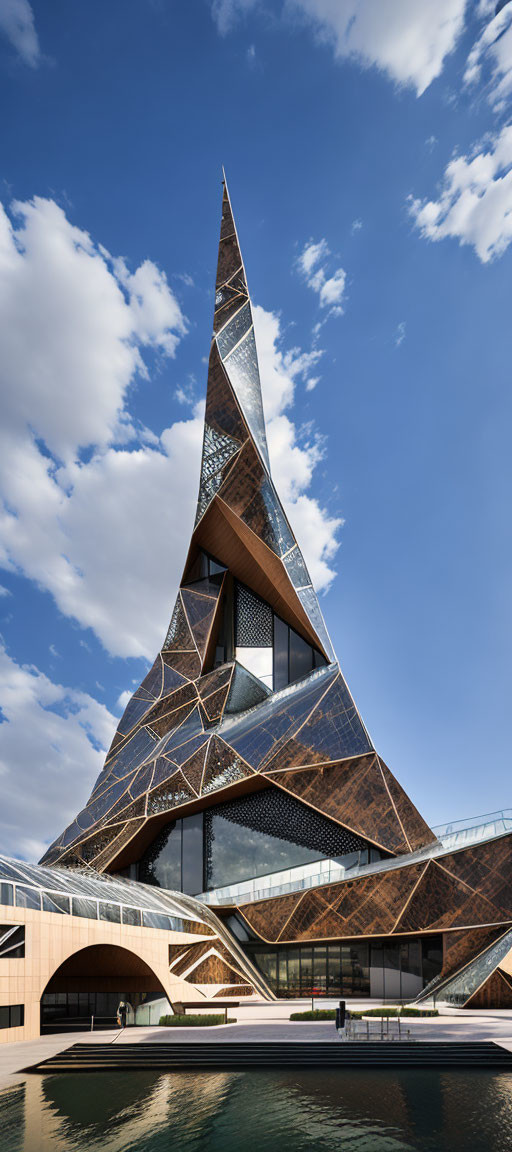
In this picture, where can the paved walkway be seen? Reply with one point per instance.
(257, 1021)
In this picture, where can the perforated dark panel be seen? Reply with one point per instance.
(274, 812)
(253, 619)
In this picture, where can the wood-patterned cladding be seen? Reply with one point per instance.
(495, 992)
(460, 890)
(207, 962)
(459, 948)
(357, 793)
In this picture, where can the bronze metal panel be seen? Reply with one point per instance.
(416, 829)
(442, 901)
(222, 411)
(465, 945)
(352, 792)
(496, 992)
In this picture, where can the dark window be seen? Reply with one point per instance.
(432, 947)
(281, 633)
(306, 971)
(301, 657)
(267, 832)
(237, 853)
(6, 894)
(175, 859)
(293, 656)
(12, 941)
(314, 969)
(12, 1016)
(161, 864)
(320, 970)
(192, 854)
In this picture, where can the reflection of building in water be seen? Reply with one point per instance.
(243, 780)
(303, 1109)
(110, 1113)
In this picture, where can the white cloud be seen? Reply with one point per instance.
(491, 55)
(124, 699)
(475, 202)
(72, 325)
(226, 12)
(356, 226)
(400, 333)
(17, 23)
(409, 40)
(311, 256)
(106, 535)
(52, 740)
(332, 291)
(312, 383)
(312, 263)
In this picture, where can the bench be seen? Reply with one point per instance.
(180, 1006)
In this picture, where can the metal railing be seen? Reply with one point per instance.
(385, 1028)
(460, 833)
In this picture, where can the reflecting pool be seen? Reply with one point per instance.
(260, 1111)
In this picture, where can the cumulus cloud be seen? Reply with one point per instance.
(52, 741)
(72, 326)
(106, 532)
(490, 59)
(312, 263)
(17, 24)
(409, 40)
(475, 201)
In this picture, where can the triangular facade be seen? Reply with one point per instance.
(245, 722)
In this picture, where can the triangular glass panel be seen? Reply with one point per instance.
(243, 373)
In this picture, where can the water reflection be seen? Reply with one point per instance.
(364, 1111)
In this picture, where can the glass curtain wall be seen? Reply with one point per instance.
(385, 969)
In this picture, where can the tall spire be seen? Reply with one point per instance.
(233, 339)
(246, 688)
(234, 434)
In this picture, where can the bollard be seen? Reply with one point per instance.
(341, 1020)
(92, 1023)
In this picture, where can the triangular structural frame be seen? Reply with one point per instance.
(212, 719)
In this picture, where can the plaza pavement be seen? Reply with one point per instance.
(258, 1021)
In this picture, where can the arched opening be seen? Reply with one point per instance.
(91, 983)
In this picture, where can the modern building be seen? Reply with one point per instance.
(242, 784)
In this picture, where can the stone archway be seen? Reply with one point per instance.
(91, 982)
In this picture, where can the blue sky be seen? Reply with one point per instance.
(368, 150)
